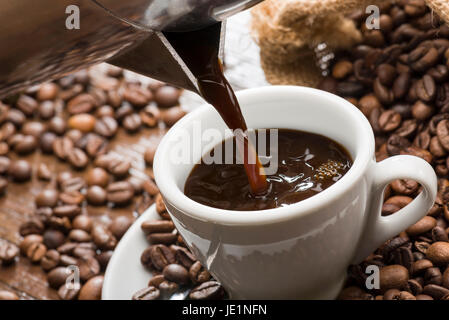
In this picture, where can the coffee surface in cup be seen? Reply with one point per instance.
(307, 164)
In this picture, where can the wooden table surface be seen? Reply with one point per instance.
(28, 280)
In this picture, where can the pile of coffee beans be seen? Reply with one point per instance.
(399, 78)
(74, 119)
(174, 267)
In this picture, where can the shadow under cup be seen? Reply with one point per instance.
(300, 251)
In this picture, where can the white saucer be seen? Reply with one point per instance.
(125, 275)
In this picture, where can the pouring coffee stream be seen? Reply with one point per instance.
(200, 51)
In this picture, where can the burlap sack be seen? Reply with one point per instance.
(288, 32)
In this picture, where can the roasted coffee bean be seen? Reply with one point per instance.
(161, 256)
(82, 103)
(150, 293)
(342, 69)
(423, 58)
(150, 116)
(176, 273)
(368, 103)
(405, 186)
(210, 290)
(145, 258)
(66, 260)
(75, 135)
(47, 198)
(71, 197)
(91, 290)
(16, 117)
(125, 110)
(120, 225)
(78, 235)
(63, 147)
(106, 127)
(386, 74)
(167, 96)
(84, 122)
(172, 115)
(96, 196)
(8, 252)
(97, 176)
(422, 246)
(53, 238)
(82, 222)
(198, 274)
(47, 91)
(138, 96)
(401, 85)
(439, 234)
(43, 172)
(183, 256)
(25, 144)
(67, 248)
(395, 144)
(72, 184)
(150, 187)
(119, 168)
(414, 287)
(435, 291)
(88, 268)
(57, 125)
(436, 148)
(120, 192)
(157, 226)
(418, 152)
(442, 131)
(426, 89)
(433, 276)
(105, 111)
(84, 250)
(422, 226)
(46, 110)
(33, 128)
(46, 142)
(77, 158)
(438, 253)
(160, 205)
(156, 280)
(422, 111)
(26, 104)
(50, 260)
(28, 240)
(36, 251)
(32, 226)
(69, 211)
(57, 277)
(20, 171)
(389, 120)
(383, 93)
(104, 258)
(393, 277)
(132, 123)
(96, 145)
(103, 238)
(162, 238)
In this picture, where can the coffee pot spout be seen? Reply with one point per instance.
(156, 57)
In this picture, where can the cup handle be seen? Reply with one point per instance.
(379, 229)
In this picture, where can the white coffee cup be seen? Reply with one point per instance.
(301, 251)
